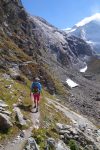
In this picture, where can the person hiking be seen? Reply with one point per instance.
(35, 92)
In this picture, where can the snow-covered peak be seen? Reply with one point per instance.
(95, 17)
(88, 29)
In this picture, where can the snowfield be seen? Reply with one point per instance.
(71, 83)
(83, 69)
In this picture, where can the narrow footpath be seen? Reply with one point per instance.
(18, 143)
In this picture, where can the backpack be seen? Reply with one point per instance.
(35, 89)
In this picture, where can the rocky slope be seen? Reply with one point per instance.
(29, 47)
(37, 37)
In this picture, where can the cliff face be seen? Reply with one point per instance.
(38, 38)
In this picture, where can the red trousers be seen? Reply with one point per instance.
(36, 97)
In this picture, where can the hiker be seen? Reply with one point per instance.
(35, 92)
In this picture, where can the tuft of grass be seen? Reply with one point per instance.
(73, 145)
(41, 135)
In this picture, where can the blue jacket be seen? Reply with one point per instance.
(36, 84)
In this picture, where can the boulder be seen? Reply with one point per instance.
(73, 131)
(61, 146)
(31, 144)
(60, 126)
(51, 143)
(97, 98)
(5, 122)
(8, 113)
(8, 86)
(20, 117)
(98, 132)
(67, 137)
(82, 127)
(2, 109)
(14, 72)
(98, 139)
(90, 147)
(22, 134)
(64, 131)
(3, 104)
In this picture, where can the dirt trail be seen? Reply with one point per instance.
(18, 143)
(35, 117)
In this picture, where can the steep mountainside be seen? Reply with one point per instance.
(38, 38)
(30, 47)
(33, 47)
(89, 30)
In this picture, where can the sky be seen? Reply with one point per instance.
(62, 13)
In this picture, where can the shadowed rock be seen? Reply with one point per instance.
(19, 115)
(5, 122)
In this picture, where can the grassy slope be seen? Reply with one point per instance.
(10, 52)
(12, 90)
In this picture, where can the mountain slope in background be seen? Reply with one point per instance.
(89, 30)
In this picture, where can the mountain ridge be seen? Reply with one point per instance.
(88, 29)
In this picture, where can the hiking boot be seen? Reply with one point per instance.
(34, 106)
(37, 109)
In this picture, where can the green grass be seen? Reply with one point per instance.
(17, 90)
(41, 135)
(11, 96)
(10, 51)
(73, 145)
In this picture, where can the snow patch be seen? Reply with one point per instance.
(89, 19)
(69, 30)
(83, 69)
(71, 83)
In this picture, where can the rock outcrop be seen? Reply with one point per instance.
(5, 119)
(20, 117)
(68, 132)
(31, 144)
